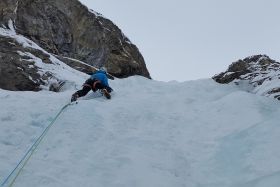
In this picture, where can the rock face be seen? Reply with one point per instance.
(259, 71)
(15, 71)
(8, 10)
(24, 66)
(67, 28)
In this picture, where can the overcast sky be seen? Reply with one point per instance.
(191, 39)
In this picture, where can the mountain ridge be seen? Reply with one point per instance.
(258, 73)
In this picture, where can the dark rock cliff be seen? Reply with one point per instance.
(67, 28)
(15, 72)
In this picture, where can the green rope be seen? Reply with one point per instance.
(27, 156)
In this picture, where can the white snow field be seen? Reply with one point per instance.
(150, 134)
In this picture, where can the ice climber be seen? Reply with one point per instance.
(97, 81)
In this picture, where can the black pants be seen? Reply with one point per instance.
(83, 91)
(89, 85)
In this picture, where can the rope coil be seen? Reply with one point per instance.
(9, 181)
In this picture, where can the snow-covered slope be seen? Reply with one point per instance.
(150, 134)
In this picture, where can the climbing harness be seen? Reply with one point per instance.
(9, 181)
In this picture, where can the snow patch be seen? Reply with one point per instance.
(15, 11)
(11, 26)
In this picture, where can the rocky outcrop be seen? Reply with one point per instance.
(67, 29)
(18, 71)
(259, 71)
(25, 66)
(14, 72)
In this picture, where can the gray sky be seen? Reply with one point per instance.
(191, 39)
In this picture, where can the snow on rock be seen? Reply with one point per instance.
(39, 66)
(260, 73)
(194, 134)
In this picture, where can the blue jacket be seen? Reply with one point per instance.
(101, 76)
